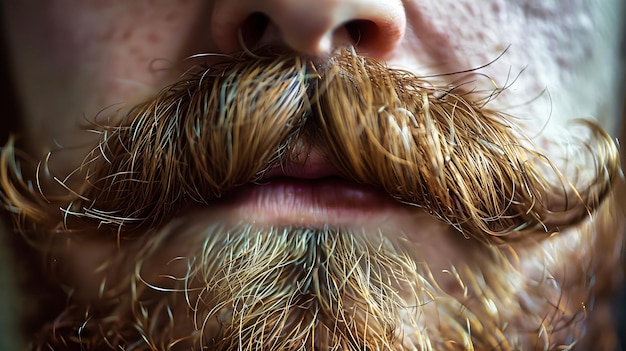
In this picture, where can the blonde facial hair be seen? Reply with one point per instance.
(439, 149)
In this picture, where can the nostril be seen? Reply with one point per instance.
(309, 27)
(253, 28)
(364, 34)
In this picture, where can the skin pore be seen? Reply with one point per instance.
(85, 64)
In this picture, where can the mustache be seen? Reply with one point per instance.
(438, 148)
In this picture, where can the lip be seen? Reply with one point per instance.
(309, 192)
(314, 166)
(329, 201)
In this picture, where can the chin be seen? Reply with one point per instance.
(212, 279)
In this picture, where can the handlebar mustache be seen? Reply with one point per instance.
(438, 148)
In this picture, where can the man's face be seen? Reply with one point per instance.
(366, 175)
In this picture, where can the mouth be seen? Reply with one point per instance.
(310, 194)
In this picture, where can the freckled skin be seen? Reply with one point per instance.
(83, 57)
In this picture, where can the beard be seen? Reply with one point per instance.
(290, 288)
(178, 281)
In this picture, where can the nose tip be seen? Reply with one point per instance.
(309, 27)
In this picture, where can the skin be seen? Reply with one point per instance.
(74, 59)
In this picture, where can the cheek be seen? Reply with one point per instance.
(553, 56)
(75, 59)
(114, 46)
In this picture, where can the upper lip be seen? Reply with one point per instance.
(314, 165)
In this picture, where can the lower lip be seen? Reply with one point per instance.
(310, 203)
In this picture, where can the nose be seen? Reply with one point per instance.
(309, 27)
